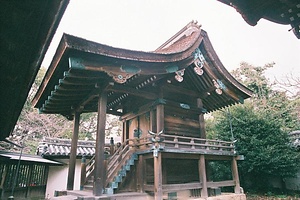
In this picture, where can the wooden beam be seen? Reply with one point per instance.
(92, 95)
(212, 184)
(73, 154)
(99, 172)
(133, 91)
(201, 119)
(178, 187)
(184, 91)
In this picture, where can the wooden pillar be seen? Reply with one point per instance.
(140, 174)
(99, 171)
(202, 174)
(157, 160)
(152, 124)
(158, 177)
(235, 176)
(201, 120)
(73, 153)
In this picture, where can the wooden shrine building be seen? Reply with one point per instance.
(161, 98)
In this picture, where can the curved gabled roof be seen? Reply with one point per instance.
(81, 69)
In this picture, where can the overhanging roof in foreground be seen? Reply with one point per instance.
(185, 66)
(12, 156)
(27, 28)
(278, 11)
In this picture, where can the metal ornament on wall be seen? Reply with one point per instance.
(156, 142)
(219, 86)
(199, 62)
(125, 72)
(179, 75)
(121, 77)
(198, 67)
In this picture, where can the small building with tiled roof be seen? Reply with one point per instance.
(58, 150)
(61, 148)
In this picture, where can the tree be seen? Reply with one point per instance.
(31, 126)
(285, 110)
(261, 128)
(261, 140)
(290, 84)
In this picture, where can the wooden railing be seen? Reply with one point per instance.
(191, 143)
(189, 186)
(175, 142)
(118, 159)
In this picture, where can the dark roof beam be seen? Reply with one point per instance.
(69, 82)
(95, 93)
(184, 91)
(132, 91)
(72, 74)
(72, 89)
(60, 93)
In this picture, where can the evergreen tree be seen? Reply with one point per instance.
(261, 128)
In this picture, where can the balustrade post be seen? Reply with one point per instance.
(193, 144)
(112, 146)
(83, 172)
(176, 142)
(206, 144)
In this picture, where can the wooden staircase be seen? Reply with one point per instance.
(120, 175)
(118, 166)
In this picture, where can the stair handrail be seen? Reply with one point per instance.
(90, 165)
(119, 158)
(123, 153)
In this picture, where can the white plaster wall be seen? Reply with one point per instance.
(58, 176)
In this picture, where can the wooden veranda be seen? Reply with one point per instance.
(161, 98)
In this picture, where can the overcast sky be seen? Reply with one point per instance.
(146, 24)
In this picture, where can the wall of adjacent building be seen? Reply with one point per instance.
(58, 175)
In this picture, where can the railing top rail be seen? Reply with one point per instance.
(194, 138)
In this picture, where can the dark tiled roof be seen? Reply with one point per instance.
(62, 147)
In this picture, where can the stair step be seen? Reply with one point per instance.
(127, 166)
(118, 178)
(88, 187)
(113, 185)
(109, 190)
(122, 172)
(131, 161)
